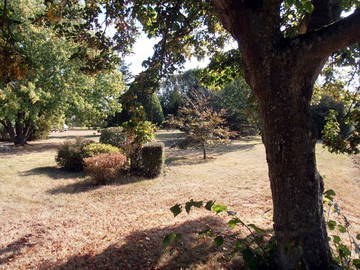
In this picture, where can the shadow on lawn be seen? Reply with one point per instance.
(54, 173)
(72, 137)
(30, 148)
(14, 248)
(212, 153)
(169, 138)
(142, 250)
(89, 184)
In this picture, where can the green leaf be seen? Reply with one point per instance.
(218, 240)
(192, 203)
(336, 239)
(329, 194)
(356, 263)
(209, 205)
(233, 222)
(341, 228)
(238, 244)
(343, 251)
(170, 238)
(331, 224)
(176, 209)
(218, 208)
(358, 236)
(256, 229)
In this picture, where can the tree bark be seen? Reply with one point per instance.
(296, 185)
(204, 151)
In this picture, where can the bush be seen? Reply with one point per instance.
(321, 110)
(104, 167)
(115, 136)
(70, 154)
(152, 156)
(95, 149)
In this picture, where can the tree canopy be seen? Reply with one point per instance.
(43, 81)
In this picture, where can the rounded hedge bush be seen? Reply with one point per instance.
(70, 154)
(105, 168)
(95, 149)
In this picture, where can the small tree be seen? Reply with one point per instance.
(202, 125)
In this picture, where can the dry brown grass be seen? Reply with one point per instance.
(51, 219)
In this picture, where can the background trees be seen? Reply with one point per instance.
(43, 81)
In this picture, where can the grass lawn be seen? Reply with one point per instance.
(51, 219)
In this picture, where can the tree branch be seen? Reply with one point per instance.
(325, 12)
(326, 40)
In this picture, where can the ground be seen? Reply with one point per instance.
(51, 219)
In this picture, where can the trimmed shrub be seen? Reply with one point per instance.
(105, 167)
(115, 136)
(152, 156)
(95, 149)
(70, 154)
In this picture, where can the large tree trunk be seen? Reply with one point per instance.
(296, 186)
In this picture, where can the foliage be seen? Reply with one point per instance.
(70, 154)
(240, 105)
(130, 137)
(345, 252)
(152, 159)
(231, 94)
(154, 112)
(46, 82)
(258, 249)
(175, 89)
(333, 138)
(138, 133)
(95, 149)
(336, 113)
(223, 69)
(202, 125)
(4, 136)
(115, 136)
(320, 113)
(105, 167)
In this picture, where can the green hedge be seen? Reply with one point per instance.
(152, 156)
(70, 154)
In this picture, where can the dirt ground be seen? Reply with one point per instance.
(51, 219)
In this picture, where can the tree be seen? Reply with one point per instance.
(42, 82)
(239, 102)
(284, 45)
(336, 112)
(176, 89)
(203, 126)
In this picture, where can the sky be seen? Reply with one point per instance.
(143, 49)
